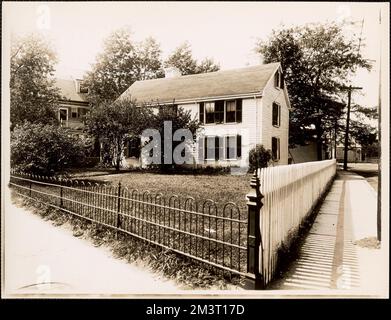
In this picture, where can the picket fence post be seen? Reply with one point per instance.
(254, 279)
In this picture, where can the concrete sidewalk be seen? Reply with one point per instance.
(332, 258)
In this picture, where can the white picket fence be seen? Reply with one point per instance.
(290, 195)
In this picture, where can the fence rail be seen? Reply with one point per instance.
(289, 194)
(216, 235)
(245, 243)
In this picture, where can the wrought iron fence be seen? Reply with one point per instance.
(204, 231)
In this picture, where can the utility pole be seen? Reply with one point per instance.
(345, 153)
(379, 141)
(335, 139)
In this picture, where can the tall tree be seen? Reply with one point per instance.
(182, 59)
(149, 64)
(33, 93)
(122, 62)
(207, 65)
(115, 68)
(318, 61)
(113, 123)
(179, 119)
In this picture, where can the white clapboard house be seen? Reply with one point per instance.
(238, 109)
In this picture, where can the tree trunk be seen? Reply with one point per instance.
(319, 149)
(319, 146)
(118, 157)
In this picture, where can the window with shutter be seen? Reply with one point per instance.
(201, 113)
(74, 113)
(239, 146)
(279, 79)
(209, 112)
(239, 110)
(233, 147)
(219, 111)
(276, 115)
(218, 147)
(275, 148)
(230, 111)
(209, 145)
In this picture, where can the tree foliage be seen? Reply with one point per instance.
(33, 93)
(182, 59)
(122, 62)
(318, 61)
(113, 123)
(180, 119)
(207, 65)
(259, 157)
(45, 149)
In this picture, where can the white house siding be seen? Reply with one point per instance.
(247, 129)
(272, 94)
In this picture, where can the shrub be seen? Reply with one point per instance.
(45, 149)
(259, 157)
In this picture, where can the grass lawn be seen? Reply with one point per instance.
(221, 188)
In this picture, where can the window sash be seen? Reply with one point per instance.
(230, 147)
(210, 148)
(220, 111)
(276, 115)
(230, 113)
(233, 147)
(63, 114)
(202, 113)
(209, 112)
(275, 148)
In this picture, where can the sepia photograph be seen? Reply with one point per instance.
(195, 150)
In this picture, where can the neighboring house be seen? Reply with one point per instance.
(73, 105)
(354, 153)
(308, 152)
(237, 108)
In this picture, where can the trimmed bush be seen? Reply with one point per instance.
(45, 149)
(259, 157)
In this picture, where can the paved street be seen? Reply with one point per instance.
(367, 170)
(43, 259)
(330, 259)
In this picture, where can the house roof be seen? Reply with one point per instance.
(235, 82)
(68, 90)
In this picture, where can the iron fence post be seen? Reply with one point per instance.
(61, 194)
(118, 205)
(254, 249)
(30, 189)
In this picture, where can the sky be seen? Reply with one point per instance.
(224, 31)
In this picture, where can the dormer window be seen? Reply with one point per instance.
(279, 79)
(81, 87)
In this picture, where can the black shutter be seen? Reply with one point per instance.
(217, 140)
(239, 110)
(238, 146)
(205, 140)
(282, 81)
(201, 113)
